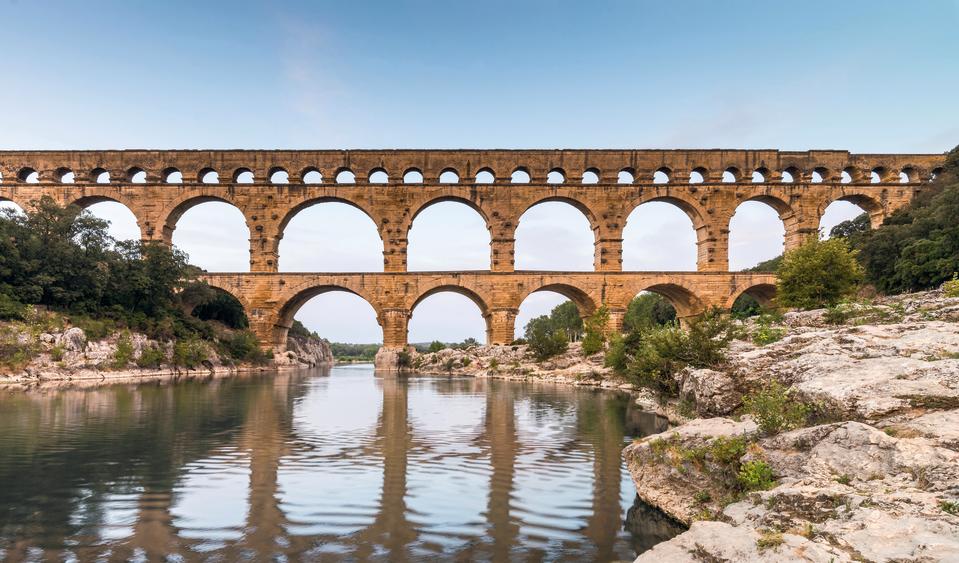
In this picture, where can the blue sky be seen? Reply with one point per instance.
(868, 76)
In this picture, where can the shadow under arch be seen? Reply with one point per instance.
(762, 292)
(284, 318)
(583, 301)
(867, 203)
(684, 301)
(194, 300)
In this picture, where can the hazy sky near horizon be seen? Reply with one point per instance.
(867, 76)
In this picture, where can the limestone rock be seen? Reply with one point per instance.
(718, 541)
(73, 340)
(714, 393)
(665, 481)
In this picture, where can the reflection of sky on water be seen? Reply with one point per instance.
(337, 465)
(448, 475)
(210, 501)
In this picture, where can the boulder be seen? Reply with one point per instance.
(73, 340)
(714, 393)
(665, 480)
(718, 541)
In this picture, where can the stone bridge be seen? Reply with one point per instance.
(393, 186)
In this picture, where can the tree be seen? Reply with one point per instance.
(565, 316)
(917, 246)
(647, 310)
(820, 273)
(436, 346)
(545, 340)
(594, 336)
(857, 226)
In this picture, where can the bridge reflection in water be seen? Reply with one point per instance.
(321, 466)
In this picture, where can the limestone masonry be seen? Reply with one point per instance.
(270, 187)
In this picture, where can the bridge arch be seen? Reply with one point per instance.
(172, 213)
(298, 297)
(360, 249)
(523, 254)
(763, 292)
(117, 220)
(430, 248)
(866, 202)
(585, 303)
(471, 293)
(683, 299)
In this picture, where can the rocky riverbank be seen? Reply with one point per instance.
(874, 478)
(32, 356)
(515, 363)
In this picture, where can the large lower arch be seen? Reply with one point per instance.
(684, 300)
(586, 304)
(289, 309)
(452, 310)
(540, 242)
(219, 239)
(764, 293)
(349, 238)
(430, 246)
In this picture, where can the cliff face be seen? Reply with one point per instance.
(876, 478)
(31, 352)
(306, 352)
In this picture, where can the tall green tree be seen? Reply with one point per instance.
(819, 273)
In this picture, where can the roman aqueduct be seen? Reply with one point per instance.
(393, 186)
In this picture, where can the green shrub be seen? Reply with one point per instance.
(124, 352)
(950, 507)
(243, 346)
(819, 273)
(769, 539)
(435, 346)
(765, 333)
(837, 314)
(151, 357)
(189, 353)
(659, 353)
(594, 335)
(94, 329)
(951, 287)
(404, 359)
(545, 340)
(756, 475)
(56, 353)
(775, 409)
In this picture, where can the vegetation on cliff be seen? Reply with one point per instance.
(60, 267)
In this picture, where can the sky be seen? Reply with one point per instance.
(867, 76)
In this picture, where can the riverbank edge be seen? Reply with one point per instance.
(94, 378)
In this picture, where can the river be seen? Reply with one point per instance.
(331, 464)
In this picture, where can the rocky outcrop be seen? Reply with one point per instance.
(881, 484)
(514, 362)
(711, 392)
(305, 352)
(68, 354)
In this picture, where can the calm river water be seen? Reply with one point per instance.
(322, 465)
